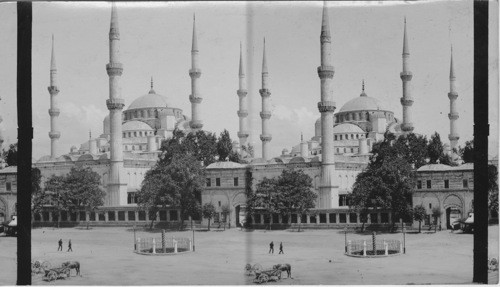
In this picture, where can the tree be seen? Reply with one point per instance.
(202, 145)
(290, 193)
(208, 212)
(11, 155)
(419, 214)
(247, 151)
(38, 195)
(224, 145)
(226, 213)
(388, 180)
(175, 184)
(81, 190)
(54, 187)
(467, 152)
(492, 189)
(435, 148)
(436, 213)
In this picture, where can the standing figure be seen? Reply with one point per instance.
(60, 245)
(69, 246)
(271, 247)
(281, 248)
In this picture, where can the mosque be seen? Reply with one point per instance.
(129, 144)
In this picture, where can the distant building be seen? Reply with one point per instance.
(8, 192)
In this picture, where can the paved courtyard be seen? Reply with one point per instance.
(107, 259)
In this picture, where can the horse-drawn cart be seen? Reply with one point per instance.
(263, 276)
(56, 273)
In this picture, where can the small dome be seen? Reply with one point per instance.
(362, 103)
(136, 126)
(225, 164)
(347, 128)
(150, 100)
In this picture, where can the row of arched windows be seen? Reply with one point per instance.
(347, 136)
(359, 116)
(137, 134)
(145, 113)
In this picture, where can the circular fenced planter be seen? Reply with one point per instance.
(163, 246)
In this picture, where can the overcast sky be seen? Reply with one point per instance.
(156, 42)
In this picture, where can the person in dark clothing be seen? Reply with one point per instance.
(271, 247)
(60, 245)
(69, 246)
(281, 248)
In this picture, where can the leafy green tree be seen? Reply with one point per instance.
(411, 147)
(39, 197)
(202, 145)
(492, 189)
(81, 190)
(435, 148)
(226, 213)
(467, 152)
(208, 212)
(419, 214)
(54, 188)
(224, 145)
(436, 213)
(247, 151)
(11, 155)
(289, 193)
(176, 184)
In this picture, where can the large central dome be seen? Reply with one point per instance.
(150, 100)
(362, 103)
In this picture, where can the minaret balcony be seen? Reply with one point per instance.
(195, 99)
(326, 106)
(114, 33)
(452, 96)
(196, 124)
(194, 73)
(242, 113)
(326, 72)
(406, 75)
(407, 102)
(266, 138)
(453, 116)
(115, 104)
(407, 127)
(54, 135)
(53, 90)
(242, 93)
(325, 37)
(265, 92)
(243, 135)
(54, 112)
(114, 69)
(453, 137)
(265, 115)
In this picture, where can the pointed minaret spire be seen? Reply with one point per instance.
(54, 112)
(117, 186)
(242, 112)
(265, 114)
(406, 76)
(328, 193)
(453, 115)
(363, 94)
(195, 73)
(152, 91)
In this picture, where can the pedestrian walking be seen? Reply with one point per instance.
(281, 248)
(69, 246)
(271, 247)
(60, 245)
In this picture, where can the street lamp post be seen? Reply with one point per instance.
(404, 240)
(193, 231)
(345, 238)
(135, 240)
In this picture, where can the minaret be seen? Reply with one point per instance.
(453, 115)
(195, 97)
(265, 114)
(117, 188)
(54, 112)
(328, 191)
(406, 75)
(242, 112)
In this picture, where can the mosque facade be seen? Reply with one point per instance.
(129, 144)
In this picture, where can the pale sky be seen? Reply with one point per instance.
(156, 41)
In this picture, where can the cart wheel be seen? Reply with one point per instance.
(67, 272)
(46, 265)
(52, 276)
(248, 269)
(37, 264)
(279, 275)
(263, 278)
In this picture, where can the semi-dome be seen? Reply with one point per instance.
(362, 103)
(136, 126)
(434, 167)
(347, 128)
(149, 100)
(225, 164)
